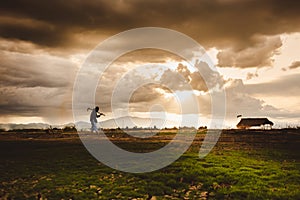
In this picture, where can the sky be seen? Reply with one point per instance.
(254, 45)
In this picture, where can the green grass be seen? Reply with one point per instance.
(65, 170)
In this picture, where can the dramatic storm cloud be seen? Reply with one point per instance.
(216, 22)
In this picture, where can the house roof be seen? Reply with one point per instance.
(248, 122)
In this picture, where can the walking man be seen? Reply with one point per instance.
(93, 118)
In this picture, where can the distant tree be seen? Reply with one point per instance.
(69, 129)
(202, 128)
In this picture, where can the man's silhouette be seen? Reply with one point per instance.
(93, 118)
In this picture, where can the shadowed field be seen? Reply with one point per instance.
(250, 164)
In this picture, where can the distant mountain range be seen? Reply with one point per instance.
(121, 122)
(12, 126)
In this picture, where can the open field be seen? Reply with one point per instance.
(249, 164)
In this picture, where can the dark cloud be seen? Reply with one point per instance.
(146, 93)
(212, 23)
(258, 55)
(32, 30)
(34, 83)
(48, 103)
(147, 55)
(29, 70)
(294, 65)
(145, 97)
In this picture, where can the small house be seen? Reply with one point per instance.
(246, 123)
